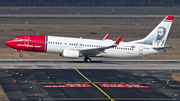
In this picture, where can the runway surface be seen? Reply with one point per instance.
(80, 64)
(100, 80)
(79, 15)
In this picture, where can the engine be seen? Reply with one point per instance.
(70, 54)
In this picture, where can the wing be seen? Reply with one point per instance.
(99, 50)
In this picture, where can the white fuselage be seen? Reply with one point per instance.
(123, 50)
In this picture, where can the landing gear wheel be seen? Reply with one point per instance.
(21, 55)
(87, 59)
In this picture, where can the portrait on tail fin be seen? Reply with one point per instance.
(160, 35)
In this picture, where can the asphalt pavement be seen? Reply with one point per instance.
(51, 84)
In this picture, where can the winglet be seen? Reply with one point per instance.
(118, 41)
(106, 37)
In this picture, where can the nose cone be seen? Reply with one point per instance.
(8, 43)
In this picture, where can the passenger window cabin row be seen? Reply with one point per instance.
(86, 45)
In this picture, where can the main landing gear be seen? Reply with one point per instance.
(87, 59)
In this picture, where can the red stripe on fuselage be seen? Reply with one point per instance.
(36, 43)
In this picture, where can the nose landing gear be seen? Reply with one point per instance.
(17, 50)
(20, 55)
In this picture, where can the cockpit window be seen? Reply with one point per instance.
(15, 39)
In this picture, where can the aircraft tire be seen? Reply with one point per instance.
(20, 55)
(87, 59)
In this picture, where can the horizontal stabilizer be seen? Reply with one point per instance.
(166, 46)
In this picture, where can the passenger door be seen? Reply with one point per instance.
(26, 41)
(140, 50)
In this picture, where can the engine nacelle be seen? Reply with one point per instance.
(70, 54)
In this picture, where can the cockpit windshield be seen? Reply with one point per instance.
(15, 39)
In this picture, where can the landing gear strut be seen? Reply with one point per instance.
(87, 59)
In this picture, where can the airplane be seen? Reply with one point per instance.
(68, 47)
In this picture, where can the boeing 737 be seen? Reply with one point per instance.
(152, 44)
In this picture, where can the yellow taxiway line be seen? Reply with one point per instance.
(93, 84)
